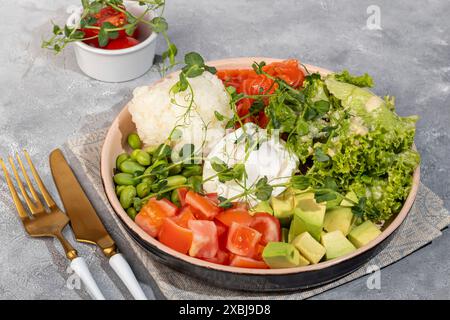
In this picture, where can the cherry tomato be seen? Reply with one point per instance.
(258, 85)
(245, 262)
(106, 14)
(121, 43)
(237, 215)
(221, 257)
(204, 242)
(263, 119)
(268, 226)
(222, 234)
(175, 236)
(151, 216)
(242, 240)
(203, 207)
(240, 205)
(257, 255)
(184, 216)
(287, 70)
(213, 197)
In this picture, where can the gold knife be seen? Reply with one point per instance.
(85, 222)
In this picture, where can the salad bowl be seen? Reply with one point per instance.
(228, 276)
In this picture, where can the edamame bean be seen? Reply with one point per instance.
(127, 196)
(150, 149)
(134, 141)
(143, 158)
(192, 170)
(131, 166)
(134, 153)
(119, 189)
(148, 180)
(121, 158)
(132, 213)
(175, 169)
(175, 181)
(142, 189)
(124, 179)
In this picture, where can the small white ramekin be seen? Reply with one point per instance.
(117, 65)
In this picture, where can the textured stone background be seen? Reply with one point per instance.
(44, 100)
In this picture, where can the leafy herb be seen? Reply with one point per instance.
(361, 81)
(321, 156)
(263, 190)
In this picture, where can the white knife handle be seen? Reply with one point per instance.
(81, 269)
(123, 270)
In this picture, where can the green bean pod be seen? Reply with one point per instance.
(127, 196)
(131, 166)
(175, 180)
(125, 179)
(121, 158)
(134, 141)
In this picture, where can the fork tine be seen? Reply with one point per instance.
(47, 197)
(34, 207)
(19, 206)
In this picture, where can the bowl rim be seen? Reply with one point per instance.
(120, 212)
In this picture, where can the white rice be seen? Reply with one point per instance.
(155, 115)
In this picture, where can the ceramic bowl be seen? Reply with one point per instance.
(227, 276)
(117, 65)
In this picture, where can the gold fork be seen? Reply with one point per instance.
(43, 222)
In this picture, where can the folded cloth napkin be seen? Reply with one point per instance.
(423, 224)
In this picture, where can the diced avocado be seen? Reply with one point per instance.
(309, 247)
(363, 234)
(338, 218)
(335, 202)
(285, 234)
(336, 244)
(281, 255)
(302, 261)
(262, 206)
(283, 209)
(308, 216)
(350, 195)
(300, 195)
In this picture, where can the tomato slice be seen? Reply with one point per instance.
(203, 207)
(184, 217)
(238, 215)
(242, 240)
(257, 255)
(175, 236)
(164, 205)
(213, 197)
(287, 70)
(268, 226)
(182, 195)
(245, 262)
(121, 43)
(204, 242)
(222, 234)
(151, 216)
(221, 257)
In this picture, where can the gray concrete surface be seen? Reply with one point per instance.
(44, 100)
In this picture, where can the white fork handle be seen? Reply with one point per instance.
(123, 270)
(81, 269)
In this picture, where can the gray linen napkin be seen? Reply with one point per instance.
(423, 224)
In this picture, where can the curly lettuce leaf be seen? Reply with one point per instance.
(360, 81)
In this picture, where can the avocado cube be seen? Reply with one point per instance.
(283, 208)
(281, 255)
(363, 234)
(300, 195)
(336, 244)
(309, 247)
(350, 195)
(338, 218)
(308, 216)
(262, 206)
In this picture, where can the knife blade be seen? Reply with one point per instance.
(84, 220)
